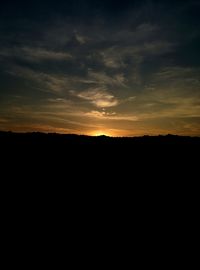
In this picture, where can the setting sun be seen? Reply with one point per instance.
(101, 133)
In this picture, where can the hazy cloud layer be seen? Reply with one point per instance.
(83, 65)
(99, 97)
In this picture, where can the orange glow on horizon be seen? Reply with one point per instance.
(101, 133)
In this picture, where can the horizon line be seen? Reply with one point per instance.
(95, 136)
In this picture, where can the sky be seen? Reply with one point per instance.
(119, 68)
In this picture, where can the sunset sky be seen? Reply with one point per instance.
(119, 68)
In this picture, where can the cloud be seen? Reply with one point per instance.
(56, 84)
(35, 54)
(145, 29)
(152, 47)
(172, 72)
(39, 54)
(58, 100)
(157, 47)
(98, 97)
(80, 38)
(45, 82)
(123, 58)
(102, 115)
(3, 120)
(129, 99)
(176, 82)
(64, 83)
(103, 79)
(111, 59)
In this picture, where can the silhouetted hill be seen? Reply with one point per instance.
(77, 145)
(52, 139)
(102, 152)
(62, 166)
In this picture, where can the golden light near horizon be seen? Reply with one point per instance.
(101, 133)
(110, 133)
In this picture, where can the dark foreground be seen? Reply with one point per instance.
(82, 148)
(120, 173)
(9, 139)
(66, 140)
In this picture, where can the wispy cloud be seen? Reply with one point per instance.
(98, 97)
(103, 79)
(175, 82)
(102, 115)
(111, 59)
(35, 54)
(40, 54)
(60, 83)
(174, 72)
(80, 38)
(3, 120)
(46, 82)
(116, 56)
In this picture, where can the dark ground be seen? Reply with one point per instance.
(37, 138)
(99, 151)
(77, 178)
(61, 166)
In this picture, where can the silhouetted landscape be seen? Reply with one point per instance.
(91, 163)
(71, 142)
(74, 154)
(65, 139)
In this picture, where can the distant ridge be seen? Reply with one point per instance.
(53, 134)
(83, 154)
